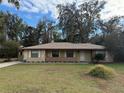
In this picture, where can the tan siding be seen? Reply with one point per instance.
(108, 57)
(48, 53)
(85, 56)
(62, 53)
(88, 56)
(27, 56)
(80, 55)
(77, 55)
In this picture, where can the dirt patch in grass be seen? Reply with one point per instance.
(114, 85)
(54, 70)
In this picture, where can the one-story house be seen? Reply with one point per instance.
(64, 52)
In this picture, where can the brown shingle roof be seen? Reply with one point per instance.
(65, 45)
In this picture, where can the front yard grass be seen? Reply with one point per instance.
(58, 78)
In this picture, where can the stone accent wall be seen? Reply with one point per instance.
(62, 56)
(61, 59)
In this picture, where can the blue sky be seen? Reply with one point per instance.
(31, 11)
(31, 18)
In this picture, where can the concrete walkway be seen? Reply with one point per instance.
(8, 64)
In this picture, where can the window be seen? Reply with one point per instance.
(69, 53)
(55, 53)
(34, 53)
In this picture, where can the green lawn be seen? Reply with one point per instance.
(51, 78)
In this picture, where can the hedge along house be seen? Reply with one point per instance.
(64, 52)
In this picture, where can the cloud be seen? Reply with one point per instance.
(44, 5)
(5, 2)
(112, 8)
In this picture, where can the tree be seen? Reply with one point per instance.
(1, 38)
(57, 36)
(115, 44)
(9, 49)
(78, 23)
(112, 36)
(42, 35)
(28, 36)
(13, 25)
(10, 26)
(2, 27)
(109, 26)
(45, 30)
(106, 27)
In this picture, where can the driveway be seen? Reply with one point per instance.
(8, 64)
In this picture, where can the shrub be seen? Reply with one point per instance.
(102, 71)
(9, 49)
(99, 57)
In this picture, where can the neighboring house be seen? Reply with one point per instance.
(64, 52)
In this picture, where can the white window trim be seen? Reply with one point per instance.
(38, 53)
